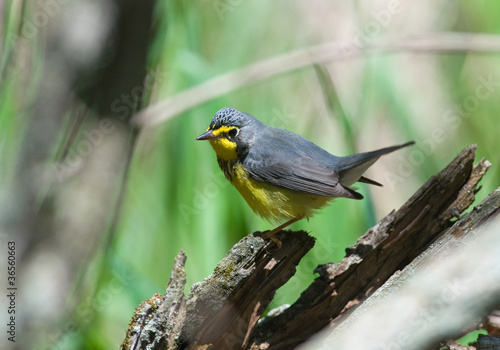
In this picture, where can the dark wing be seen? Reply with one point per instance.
(299, 173)
(369, 181)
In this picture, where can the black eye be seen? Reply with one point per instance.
(233, 132)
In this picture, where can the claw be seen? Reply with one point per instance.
(270, 234)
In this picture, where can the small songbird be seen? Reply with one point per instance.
(281, 175)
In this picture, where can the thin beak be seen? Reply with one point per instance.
(207, 135)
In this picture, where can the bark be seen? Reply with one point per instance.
(157, 321)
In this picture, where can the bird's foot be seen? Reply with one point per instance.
(270, 235)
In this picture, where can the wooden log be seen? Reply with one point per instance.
(224, 309)
(443, 294)
(157, 321)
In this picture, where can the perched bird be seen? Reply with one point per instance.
(281, 175)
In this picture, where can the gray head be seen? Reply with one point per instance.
(231, 117)
(234, 126)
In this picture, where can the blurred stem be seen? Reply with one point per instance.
(132, 141)
(9, 45)
(326, 52)
(334, 105)
(80, 115)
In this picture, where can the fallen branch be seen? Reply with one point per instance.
(223, 309)
(157, 322)
(443, 294)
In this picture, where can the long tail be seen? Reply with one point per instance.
(351, 168)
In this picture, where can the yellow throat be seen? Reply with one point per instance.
(224, 148)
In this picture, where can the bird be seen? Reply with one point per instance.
(281, 175)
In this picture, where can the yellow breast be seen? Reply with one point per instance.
(272, 202)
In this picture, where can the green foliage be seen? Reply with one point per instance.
(471, 337)
(177, 198)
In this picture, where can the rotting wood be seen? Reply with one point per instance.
(442, 294)
(157, 322)
(223, 309)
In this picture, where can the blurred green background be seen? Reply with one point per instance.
(177, 198)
